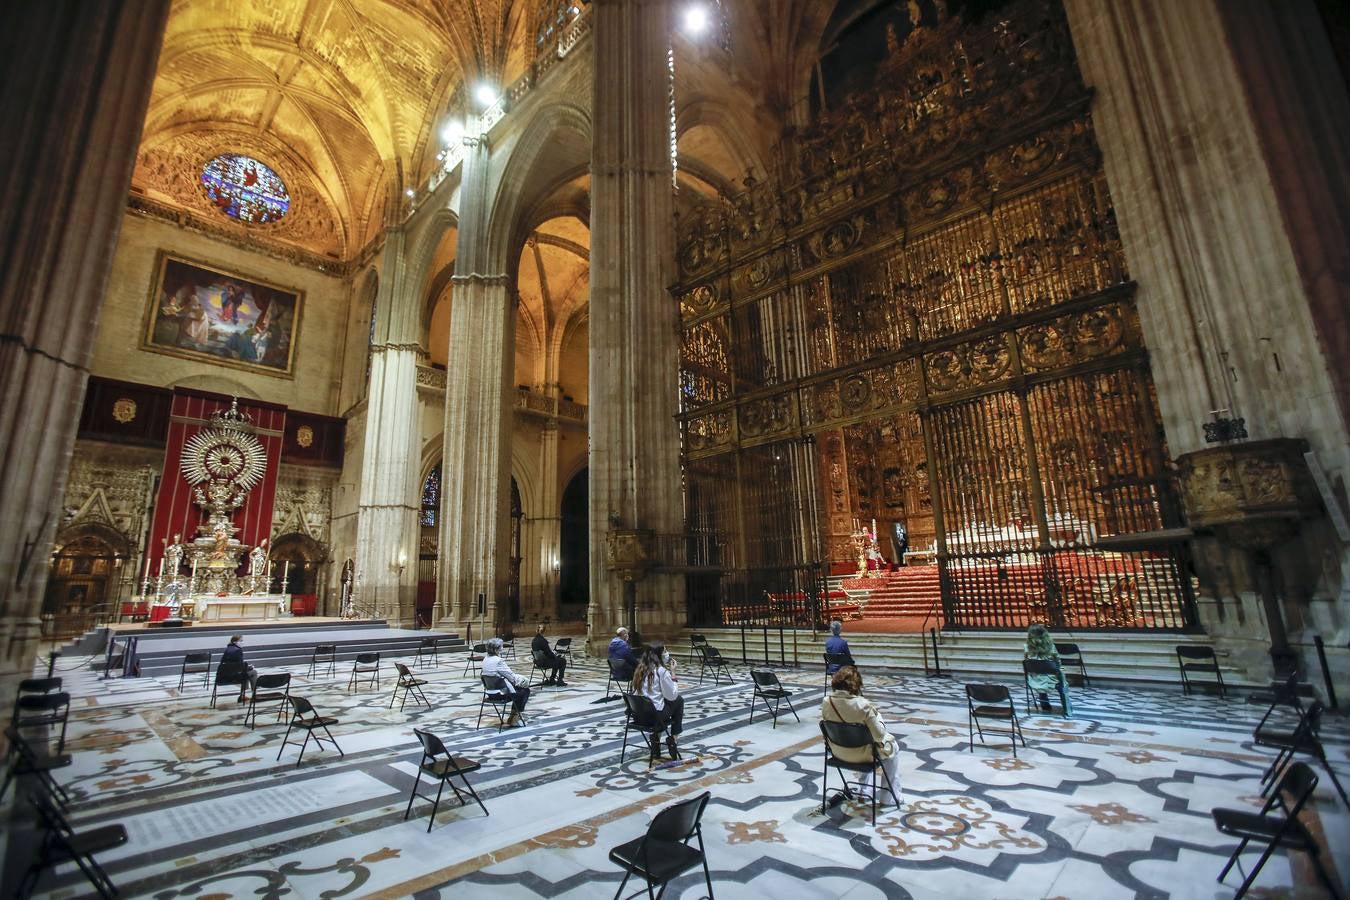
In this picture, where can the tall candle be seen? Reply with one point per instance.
(161, 567)
(146, 576)
(286, 570)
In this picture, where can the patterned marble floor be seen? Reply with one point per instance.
(1113, 803)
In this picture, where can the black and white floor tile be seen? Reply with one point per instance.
(1113, 803)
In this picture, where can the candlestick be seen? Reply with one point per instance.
(285, 573)
(161, 567)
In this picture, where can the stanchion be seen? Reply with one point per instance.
(936, 670)
(1326, 672)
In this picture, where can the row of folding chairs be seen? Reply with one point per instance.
(473, 660)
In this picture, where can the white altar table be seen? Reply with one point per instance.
(214, 609)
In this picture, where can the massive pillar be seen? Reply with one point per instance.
(1226, 313)
(387, 531)
(545, 547)
(636, 511)
(476, 467)
(75, 81)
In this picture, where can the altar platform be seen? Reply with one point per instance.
(159, 651)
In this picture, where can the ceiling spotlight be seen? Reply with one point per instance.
(485, 94)
(452, 132)
(696, 19)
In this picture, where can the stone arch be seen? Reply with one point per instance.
(554, 148)
(116, 540)
(424, 246)
(717, 117)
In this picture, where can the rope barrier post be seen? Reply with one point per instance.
(936, 671)
(1326, 672)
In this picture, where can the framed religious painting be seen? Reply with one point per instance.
(204, 313)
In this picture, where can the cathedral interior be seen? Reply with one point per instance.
(941, 318)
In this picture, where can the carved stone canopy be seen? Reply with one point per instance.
(1251, 494)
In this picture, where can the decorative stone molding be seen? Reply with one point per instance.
(477, 278)
(1252, 494)
(628, 552)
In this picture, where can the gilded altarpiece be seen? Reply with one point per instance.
(927, 319)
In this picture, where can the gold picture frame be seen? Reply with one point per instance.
(203, 312)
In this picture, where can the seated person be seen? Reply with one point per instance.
(845, 703)
(235, 654)
(653, 679)
(556, 663)
(836, 644)
(516, 686)
(1041, 646)
(621, 652)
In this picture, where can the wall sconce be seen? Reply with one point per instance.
(399, 564)
(557, 564)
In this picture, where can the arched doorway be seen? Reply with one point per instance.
(85, 581)
(574, 548)
(298, 557)
(428, 541)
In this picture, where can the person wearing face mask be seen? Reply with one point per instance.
(654, 680)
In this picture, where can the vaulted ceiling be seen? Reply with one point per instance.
(341, 98)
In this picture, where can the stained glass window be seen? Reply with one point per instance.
(431, 496)
(245, 189)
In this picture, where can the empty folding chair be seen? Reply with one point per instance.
(1304, 737)
(1193, 658)
(40, 685)
(695, 641)
(305, 717)
(442, 765)
(509, 646)
(991, 701)
(427, 649)
(25, 759)
(713, 659)
(768, 687)
(274, 688)
(324, 655)
(43, 711)
(408, 684)
(61, 843)
(476, 655)
(663, 853)
(365, 670)
(1072, 655)
(1276, 825)
(853, 736)
(193, 664)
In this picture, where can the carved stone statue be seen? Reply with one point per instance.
(257, 560)
(173, 557)
(220, 538)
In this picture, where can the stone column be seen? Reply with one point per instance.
(547, 528)
(476, 467)
(634, 345)
(75, 81)
(387, 531)
(1225, 313)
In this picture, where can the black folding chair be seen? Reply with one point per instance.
(1193, 658)
(1072, 655)
(408, 684)
(193, 664)
(40, 685)
(25, 759)
(428, 648)
(540, 663)
(509, 647)
(323, 653)
(271, 688)
(616, 668)
(1043, 667)
(852, 736)
(640, 715)
(768, 687)
(834, 662)
(42, 711)
(980, 704)
(663, 853)
(61, 843)
(1275, 827)
(1304, 737)
(695, 641)
(562, 647)
(228, 672)
(305, 717)
(713, 659)
(365, 670)
(476, 655)
(498, 695)
(443, 766)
